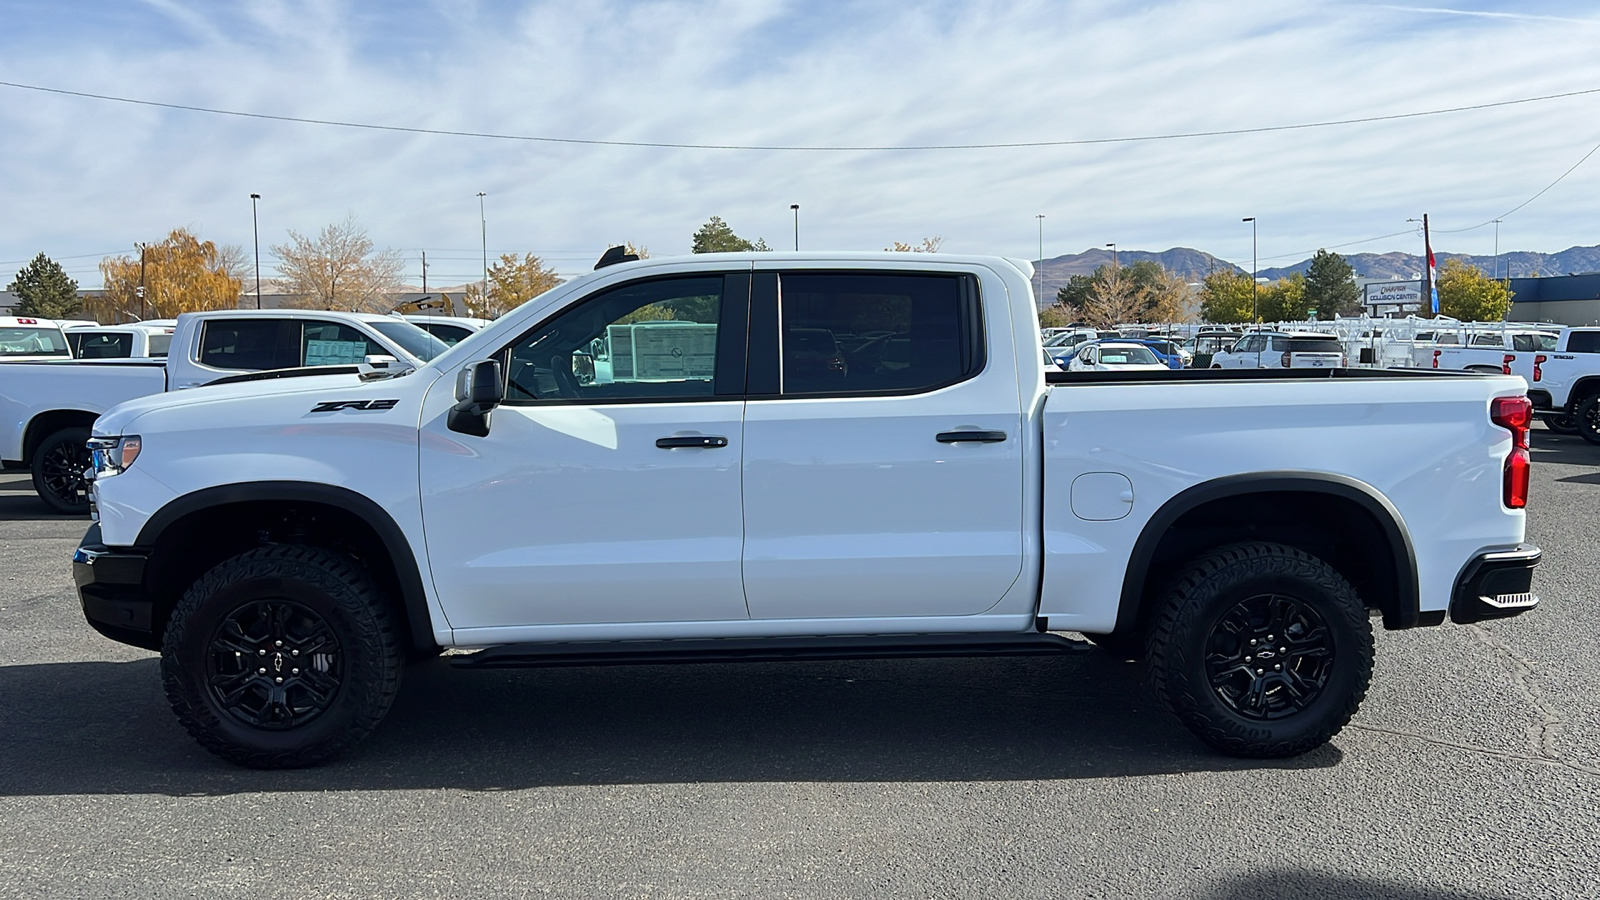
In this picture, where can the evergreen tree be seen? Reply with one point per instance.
(1331, 286)
(44, 290)
(716, 236)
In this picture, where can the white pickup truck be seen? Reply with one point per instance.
(46, 408)
(1564, 382)
(736, 493)
(132, 341)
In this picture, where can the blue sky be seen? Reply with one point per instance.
(81, 177)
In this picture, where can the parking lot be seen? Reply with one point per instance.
(1473, 770)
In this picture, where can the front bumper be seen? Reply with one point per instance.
(1495, 585)
(111, 589)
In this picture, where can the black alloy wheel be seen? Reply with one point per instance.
(58, 466)
(273, 664)
(1269, 656)
(282, 656)
(1565, 423)
(1588, 419)
(1261, 650)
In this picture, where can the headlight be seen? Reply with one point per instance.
(113, 455)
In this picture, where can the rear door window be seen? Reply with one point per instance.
(1583, 342)
(251, 345)
(336, 344)
(874, 333)
(109, 345)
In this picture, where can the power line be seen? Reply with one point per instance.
(1525, 202)
(819, 149)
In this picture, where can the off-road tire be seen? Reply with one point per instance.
(316, 586)
(1198, 616)
(1587, 418)
(58, 465)
(1565, 423)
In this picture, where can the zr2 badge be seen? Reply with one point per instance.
(336, 405)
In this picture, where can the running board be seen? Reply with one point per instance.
(779, 649)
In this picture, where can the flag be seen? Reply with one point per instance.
(1433, 276)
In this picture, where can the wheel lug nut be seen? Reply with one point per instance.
(1258, 672)
(278, 680)
(280, 643)
(1247, 659)
(294, 671)
(1269, 637)
(261, 671)
(294, 652)
(1252, 642)
(1283, 649)
(1275, 667)
(262, 652)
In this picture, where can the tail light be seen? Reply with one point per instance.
(1538, 361)
(1505, 364)
(1515, 414)
(1436, 358)
(1286, 359)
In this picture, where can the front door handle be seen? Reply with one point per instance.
(976, 437)
(695, 440)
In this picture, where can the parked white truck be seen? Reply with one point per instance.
(46, 408)
(287, 544)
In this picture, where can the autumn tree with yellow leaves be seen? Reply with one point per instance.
(180, 274)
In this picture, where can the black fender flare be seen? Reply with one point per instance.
(412, 594)
(1408, 596)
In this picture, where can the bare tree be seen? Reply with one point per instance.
(1114, 300)
(928, 245)
(340, 269)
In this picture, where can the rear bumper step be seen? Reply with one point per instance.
(1496, 585)
(724, 650)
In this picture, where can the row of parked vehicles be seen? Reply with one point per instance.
(1560, 364)
(58, 377)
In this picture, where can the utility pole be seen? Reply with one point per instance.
(796, 208)
(484, 225)
(1255, 286)
(255, 229)
(140, 292)
(1497, 253)
(424, 271)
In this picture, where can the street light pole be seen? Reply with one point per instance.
(255, 229)
(796, 208)
(483, 224)
(1255, 286)
(1497, 252)
(140, 292)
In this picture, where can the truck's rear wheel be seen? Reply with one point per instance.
(1587, 418)
(1565, 423)
(280, 657)
(58, 466)
(1262, 650)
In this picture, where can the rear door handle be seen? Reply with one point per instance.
(695, 440)
(977, 437)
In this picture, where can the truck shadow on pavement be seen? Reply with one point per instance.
(104, 728)
(1294, 885)
(1562, 449)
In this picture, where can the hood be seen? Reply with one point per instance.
(116, 420)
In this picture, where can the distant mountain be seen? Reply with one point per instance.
(1191, 264)
(1514, 264)
(1195, 265)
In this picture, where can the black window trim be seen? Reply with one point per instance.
(732, 329)
(971, 335)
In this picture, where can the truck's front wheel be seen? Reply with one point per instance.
(1262, 650)
(1587, 418)
(280, 657)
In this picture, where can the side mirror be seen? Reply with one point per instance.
(376, 365)
(479, 389)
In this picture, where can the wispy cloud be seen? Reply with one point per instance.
(1487, 14)
(82, 175)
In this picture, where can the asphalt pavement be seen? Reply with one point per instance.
(1472, 771)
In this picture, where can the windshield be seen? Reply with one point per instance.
(1127, 356)
(412, 339)
(25, 341)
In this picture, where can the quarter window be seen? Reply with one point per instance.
(250, 345)
(653, 340)
(1583, 342)
(875, 332)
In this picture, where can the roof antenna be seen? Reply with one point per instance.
(615, 255)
